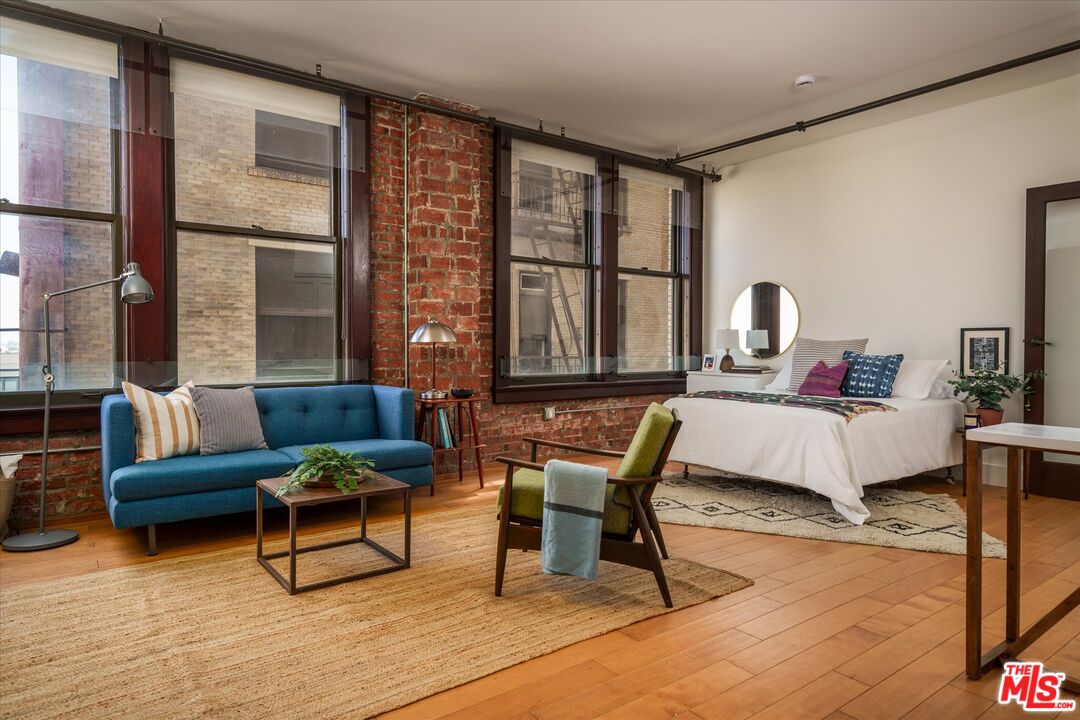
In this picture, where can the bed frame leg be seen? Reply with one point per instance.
(685, 471)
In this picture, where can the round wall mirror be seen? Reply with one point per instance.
(767, 318)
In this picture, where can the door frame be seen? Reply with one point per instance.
(1046, 478)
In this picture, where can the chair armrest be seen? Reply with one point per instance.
(612, 480)
(576, 448)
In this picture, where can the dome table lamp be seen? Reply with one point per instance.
(433, 332)
(756, 341)
(727, 339)
(134, 290)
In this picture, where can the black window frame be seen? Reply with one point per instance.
(602, 304)
(337, 178)
(20, 403)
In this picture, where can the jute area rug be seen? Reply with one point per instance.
(898, 518)
(213, 636)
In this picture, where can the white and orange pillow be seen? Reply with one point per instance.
(165, 425)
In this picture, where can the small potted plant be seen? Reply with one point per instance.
(988, 388)
(323, 466)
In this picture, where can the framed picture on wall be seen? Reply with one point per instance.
(708, 364)
(984, 349)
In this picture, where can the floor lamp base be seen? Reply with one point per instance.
(25, 542)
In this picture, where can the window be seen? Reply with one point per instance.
(598, 268)
(653, 276)
(553, 227)
(293, 144)
(59, 212)
(257, 292)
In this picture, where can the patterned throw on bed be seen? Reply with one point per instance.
(849, 408)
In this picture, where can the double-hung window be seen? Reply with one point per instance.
(60, 222)
(598, 267)
(256, 188)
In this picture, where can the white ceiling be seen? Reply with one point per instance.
(648, 77)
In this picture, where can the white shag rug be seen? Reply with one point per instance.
(898, 518)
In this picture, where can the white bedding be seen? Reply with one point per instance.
(820, 450)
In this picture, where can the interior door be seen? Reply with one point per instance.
(1052, 328)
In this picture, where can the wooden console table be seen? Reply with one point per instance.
(426, 419)
(1017, 438)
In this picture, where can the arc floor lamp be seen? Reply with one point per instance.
(134, 290)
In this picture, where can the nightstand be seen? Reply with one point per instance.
(697, 380)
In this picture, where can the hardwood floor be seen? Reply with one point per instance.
(829, 630)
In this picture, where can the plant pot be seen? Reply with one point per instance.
(326, 480)
(989, 416)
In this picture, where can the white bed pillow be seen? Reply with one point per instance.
(915, 378)
(782, 379)
(941, 390)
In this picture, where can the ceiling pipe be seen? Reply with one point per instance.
(313, 80)
(803, 126)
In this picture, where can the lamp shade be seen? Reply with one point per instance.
(135, 289)
(727, 339)
(433, 331)
(757, 339)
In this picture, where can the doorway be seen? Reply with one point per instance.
(1052, 329)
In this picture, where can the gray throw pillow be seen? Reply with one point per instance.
(228, 420)
(809, 351)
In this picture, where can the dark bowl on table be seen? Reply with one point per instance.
(462, 392)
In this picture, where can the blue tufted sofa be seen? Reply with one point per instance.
(372, 420)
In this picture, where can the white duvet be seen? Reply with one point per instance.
(820, 450)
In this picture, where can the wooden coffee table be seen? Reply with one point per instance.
(375, 484)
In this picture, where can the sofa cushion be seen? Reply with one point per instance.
(197, 473)
(311, 415)
(527, 501)
(387, 454)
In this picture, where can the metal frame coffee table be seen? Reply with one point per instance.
(376, 484)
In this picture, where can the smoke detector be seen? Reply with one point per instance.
(804, 81)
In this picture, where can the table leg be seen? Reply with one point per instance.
(292, 550)
(363, 518)
(973, 483)
(460, 440)
(1012, 542)
(1026, 454)
(258, 523)
(434, 445)
(408, 527)
(476, 441)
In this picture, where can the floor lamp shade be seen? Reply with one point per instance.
(433, 332)
(134, 290)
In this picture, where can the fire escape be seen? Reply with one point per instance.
(548, 211)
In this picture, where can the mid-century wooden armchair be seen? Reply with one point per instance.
(628, 507)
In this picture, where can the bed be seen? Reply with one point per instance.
(820, 451)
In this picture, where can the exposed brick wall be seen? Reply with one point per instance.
(451, 278)
(74, 477)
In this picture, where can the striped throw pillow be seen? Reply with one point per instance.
(164, 425)
(809, 352)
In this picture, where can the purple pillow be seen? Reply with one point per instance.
(823, 380)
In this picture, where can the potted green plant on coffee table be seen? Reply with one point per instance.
(988, 388)
(324, 466)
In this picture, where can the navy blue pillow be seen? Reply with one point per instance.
(870, 376)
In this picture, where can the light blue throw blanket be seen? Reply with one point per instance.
(573, 518)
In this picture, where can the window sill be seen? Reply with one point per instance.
(30, 420)
(287, 175)
(525, 391)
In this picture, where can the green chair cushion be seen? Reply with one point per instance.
(648, 442)
(527, 501)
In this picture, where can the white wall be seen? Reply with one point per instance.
(905, 232)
